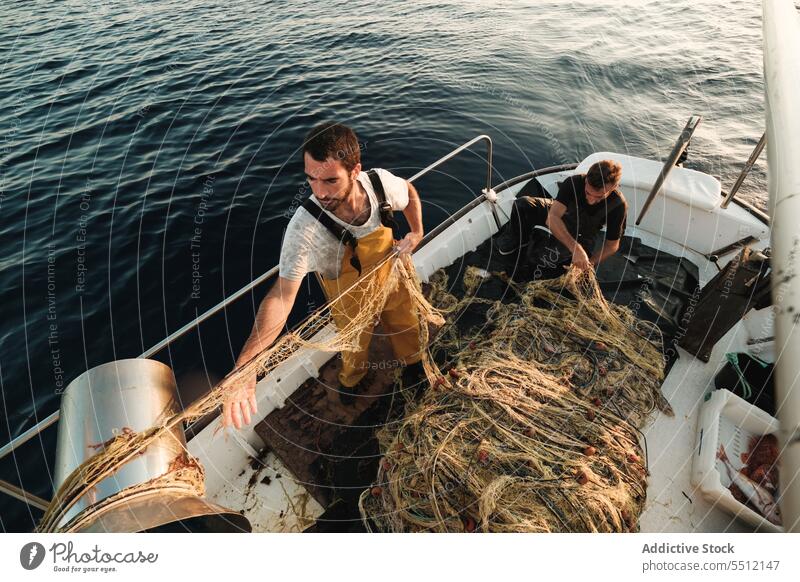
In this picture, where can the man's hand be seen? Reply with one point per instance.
(240, 400)
(609, 248)
(409, 243)
(580, 259)
(240, 403)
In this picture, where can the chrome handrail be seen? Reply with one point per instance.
(457, 151)
(487, 192)
(29, 434)
(14, 491)
(19, 493)
(211, 311)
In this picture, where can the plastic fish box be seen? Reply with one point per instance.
(731, 421)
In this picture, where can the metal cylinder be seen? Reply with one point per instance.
(132, 394)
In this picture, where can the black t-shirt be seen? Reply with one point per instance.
(584, 220)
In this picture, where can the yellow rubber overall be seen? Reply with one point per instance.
(398, 319)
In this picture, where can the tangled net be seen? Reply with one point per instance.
(534, 427)
(185, 474)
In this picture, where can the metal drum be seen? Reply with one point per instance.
(131, 394)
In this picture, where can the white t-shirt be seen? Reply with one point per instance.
(308, 246)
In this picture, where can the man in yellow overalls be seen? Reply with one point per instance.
(341, 232)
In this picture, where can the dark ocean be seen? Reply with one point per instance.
(127, 126)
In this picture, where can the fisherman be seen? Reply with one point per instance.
(584, 204)
(341, 232)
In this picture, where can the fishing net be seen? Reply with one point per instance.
(534, 424)
(533, 427)
(186, 473)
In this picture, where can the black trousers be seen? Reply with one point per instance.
(544, 254)
(526, 213)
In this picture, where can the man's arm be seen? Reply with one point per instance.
(556, 225)
(609, 248)
(270, 319)
(616, 229)
(413, 214)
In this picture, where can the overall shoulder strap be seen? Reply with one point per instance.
(339, 232)
(387, 214)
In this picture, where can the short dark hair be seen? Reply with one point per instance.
(604, 173)
(333, 140)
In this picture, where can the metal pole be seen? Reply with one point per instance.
(454, 153)
(677, 150)
(746, 170)
(29, 434)
(457, 151)
(222, 304)
(23, 495)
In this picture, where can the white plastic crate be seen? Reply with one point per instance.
(727, 419)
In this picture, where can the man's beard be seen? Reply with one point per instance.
(334, 203)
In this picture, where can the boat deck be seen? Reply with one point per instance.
(331, 450)
(293, 469)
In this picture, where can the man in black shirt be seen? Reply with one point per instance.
(584, 204)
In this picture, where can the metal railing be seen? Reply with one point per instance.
(458, 150)
(33, 500)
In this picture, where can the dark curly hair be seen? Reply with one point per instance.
(604, 173)
(333, 140)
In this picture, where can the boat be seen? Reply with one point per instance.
(680, 221)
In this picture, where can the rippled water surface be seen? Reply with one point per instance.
(149, 150)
